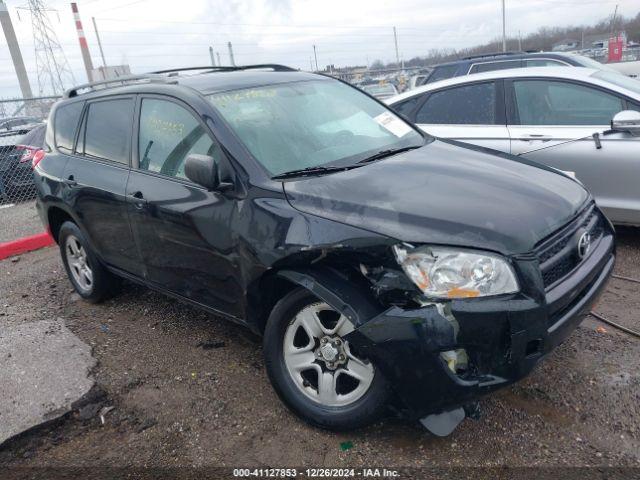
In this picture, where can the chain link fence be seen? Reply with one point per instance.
(22, 133)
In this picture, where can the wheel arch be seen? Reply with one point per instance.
(56, 216)
(328, 284)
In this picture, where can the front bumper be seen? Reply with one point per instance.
(504, 337)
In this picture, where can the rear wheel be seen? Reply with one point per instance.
(88, 276)
(317, 373)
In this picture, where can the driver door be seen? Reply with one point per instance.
(182, 229)
(546, 115)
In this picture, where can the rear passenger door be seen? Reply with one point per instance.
(472, 113)
(95, 179)
(182, 228)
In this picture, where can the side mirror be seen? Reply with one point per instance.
(627, 121)
(202, 169)
(205, 170)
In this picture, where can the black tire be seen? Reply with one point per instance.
(104, 284)
(364, 411)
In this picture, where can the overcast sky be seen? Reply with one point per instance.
(155, 34)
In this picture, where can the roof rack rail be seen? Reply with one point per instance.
(273, 66)
(161, 77)
(492, 54)
(118, 81)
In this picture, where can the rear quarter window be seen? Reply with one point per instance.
(406, 107)
(65, 125)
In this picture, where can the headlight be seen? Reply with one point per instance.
(455, 273)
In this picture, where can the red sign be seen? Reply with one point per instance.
(615, 49)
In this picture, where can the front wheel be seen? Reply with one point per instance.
(315, 371)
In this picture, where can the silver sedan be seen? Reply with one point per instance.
(579, 120)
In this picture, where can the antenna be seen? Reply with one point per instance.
(52, 66)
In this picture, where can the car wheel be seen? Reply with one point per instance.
(316, 373)
(89, 277)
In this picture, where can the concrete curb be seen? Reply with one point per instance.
(25, 244)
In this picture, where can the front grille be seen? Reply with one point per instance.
(558, 256)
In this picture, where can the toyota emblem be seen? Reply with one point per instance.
(584, 244)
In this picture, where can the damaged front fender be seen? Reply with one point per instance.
(337, 291)
(405, 344)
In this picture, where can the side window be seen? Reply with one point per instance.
(442, 73)
(542, 62)
(468, 105)
(491, 66)
(108, 129)
(168, 134)
(65, 125)
(406, 107)
(546, 102)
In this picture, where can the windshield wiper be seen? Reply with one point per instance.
(387, 153)
(308, 171)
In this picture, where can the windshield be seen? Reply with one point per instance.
(309, 124)
(619, 80)
(591, 63)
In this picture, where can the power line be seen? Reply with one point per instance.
(52, 67)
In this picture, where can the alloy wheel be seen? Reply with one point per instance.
(78, 263)
(319, 360)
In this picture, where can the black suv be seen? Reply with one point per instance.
(379, 264)
(503, 61)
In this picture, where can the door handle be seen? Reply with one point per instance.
(534, 136)
(138, 200)
(70, 181)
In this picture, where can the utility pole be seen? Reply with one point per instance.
(14, 50)
(213, 59)
(504, 29)
(613, 22)
(84, 48)
(310, 64)
(218, 57)
(231, 60)
(395, 40)
(519, 41)
(95, 28)
(315, 54)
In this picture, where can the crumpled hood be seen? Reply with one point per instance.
(444, 193)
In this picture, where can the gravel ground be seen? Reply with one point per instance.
(190, 389)
(19, 220)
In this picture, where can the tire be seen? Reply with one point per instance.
(89, 277)
(346, 404)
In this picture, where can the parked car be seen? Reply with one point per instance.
(18, 123)
(418, 80)
(379, 264)
(538, 113)
(16, 155)
(380, 90)
(510, 60)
